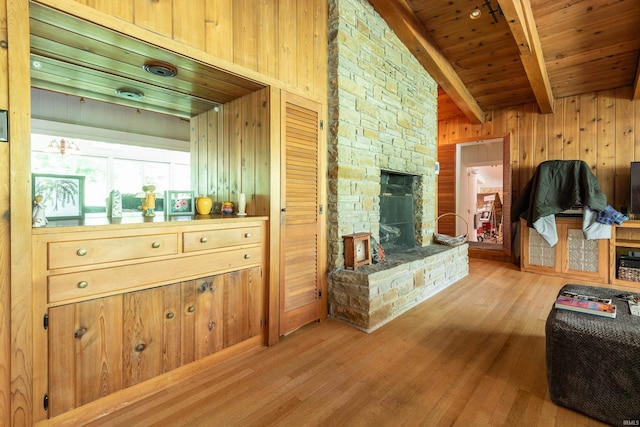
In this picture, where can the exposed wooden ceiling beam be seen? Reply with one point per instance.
(411, 32)
(523, 28)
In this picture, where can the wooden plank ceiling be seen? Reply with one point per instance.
(75, 57)
(519, 51)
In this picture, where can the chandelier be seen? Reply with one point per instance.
(63, 147)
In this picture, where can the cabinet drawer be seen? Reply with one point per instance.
(214, 239)
(96, 251)
(92, 283)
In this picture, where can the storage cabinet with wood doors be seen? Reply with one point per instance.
(572, 257)
(625, 241)
(128, 316)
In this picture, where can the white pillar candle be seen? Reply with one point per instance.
(242, 203)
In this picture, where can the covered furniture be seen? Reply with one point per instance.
(556, 186)
(593, 362)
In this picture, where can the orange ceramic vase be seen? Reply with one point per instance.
(203, 205)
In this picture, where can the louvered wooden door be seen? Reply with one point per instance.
(299, 281)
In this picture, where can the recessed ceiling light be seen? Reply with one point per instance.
(475, 13)
(161, 69)
(129, 94)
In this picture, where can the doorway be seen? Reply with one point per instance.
(469, 185)
(479, 171)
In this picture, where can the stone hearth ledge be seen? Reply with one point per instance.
(373, 295)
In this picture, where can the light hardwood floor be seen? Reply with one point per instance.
(472, 355)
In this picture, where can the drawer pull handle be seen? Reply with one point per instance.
(204, 240)
(247, 235)
(83, 284)
(191, 309)
(81, 252)
(155, 245)
(140, 347)
(247, 256)
(80, 332)
(170, 315)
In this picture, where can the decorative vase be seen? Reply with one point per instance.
(203, 205)
(242, 204)
(227, 208)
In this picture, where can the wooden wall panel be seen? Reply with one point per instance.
(607, 143)
(219, 29)
(122, 9)
(304, 45)
(587, 124)
(624, 140)
(245, 33)
(5, 235)
(599, 128)
(268, 40)
(183, 17)
(154, 15)
(288, 47)
(230, 152)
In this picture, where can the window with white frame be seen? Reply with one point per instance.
(110, 166)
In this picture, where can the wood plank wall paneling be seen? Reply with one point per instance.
(183, 19)
(154, 16)
(599, 128)
(231, 151)
(5, 235)
(242, 32)
(121, 9)
(218, 20)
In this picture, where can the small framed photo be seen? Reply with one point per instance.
(62, 195)
(179, 203)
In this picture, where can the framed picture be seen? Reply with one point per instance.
(179, 203)
(62, 195)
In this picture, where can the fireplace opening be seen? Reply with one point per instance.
(397, 224)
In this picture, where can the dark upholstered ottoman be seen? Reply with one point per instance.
(593, 362)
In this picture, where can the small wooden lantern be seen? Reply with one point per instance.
(357, 250)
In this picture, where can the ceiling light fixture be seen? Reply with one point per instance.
(63, 147)
(130, 94)
(477, 12)
(161, 69)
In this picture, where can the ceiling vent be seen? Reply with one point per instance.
(129, 94)
(161, 69)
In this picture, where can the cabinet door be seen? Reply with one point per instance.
(537, 255)
(586, 259)
(172, 327)
(188, 321)
(256, 301)
(209, 316)
(142, 335)
(85, 352)
(243, 305)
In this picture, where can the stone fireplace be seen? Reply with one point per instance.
(382, 154)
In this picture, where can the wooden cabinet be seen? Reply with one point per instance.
(130, 315)
(625, 238)
(572, 257)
